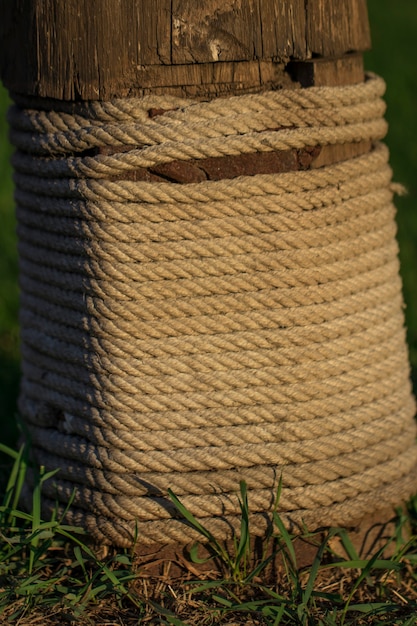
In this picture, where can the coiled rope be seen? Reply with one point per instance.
(191, 336)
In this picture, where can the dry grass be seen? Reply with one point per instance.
(163, 601)
(49, 574)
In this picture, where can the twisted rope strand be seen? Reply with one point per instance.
(192, 336)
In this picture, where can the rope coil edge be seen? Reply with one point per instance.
(194, 335)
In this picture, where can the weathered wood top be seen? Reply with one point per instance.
(102, 48)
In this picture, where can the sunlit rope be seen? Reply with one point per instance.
(192, 336)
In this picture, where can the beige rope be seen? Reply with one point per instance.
(191, 336)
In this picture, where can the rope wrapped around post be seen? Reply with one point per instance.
(193, 335)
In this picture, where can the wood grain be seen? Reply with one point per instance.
(57, 52)
(78, 50)
(343, 70)
(335, 27)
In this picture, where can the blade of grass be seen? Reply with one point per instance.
(372, 607)
(281, 527)
(314, 569)
(36, 521)
(198, 559)
(223, 601)
(364, 573)
(16, 477)
(347, 544)
(260, 567)
(80, 560)
(36, 513)
(9, 451)
(244, 541)
(175, 621)
(363, 563)
(187, 515)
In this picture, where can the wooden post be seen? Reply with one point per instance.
(57, 52)
(54, 53)
(95, 50)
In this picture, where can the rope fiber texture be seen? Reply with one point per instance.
(191, 336)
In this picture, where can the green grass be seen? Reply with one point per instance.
(46, 565)
(394, 28)
(50, 574)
